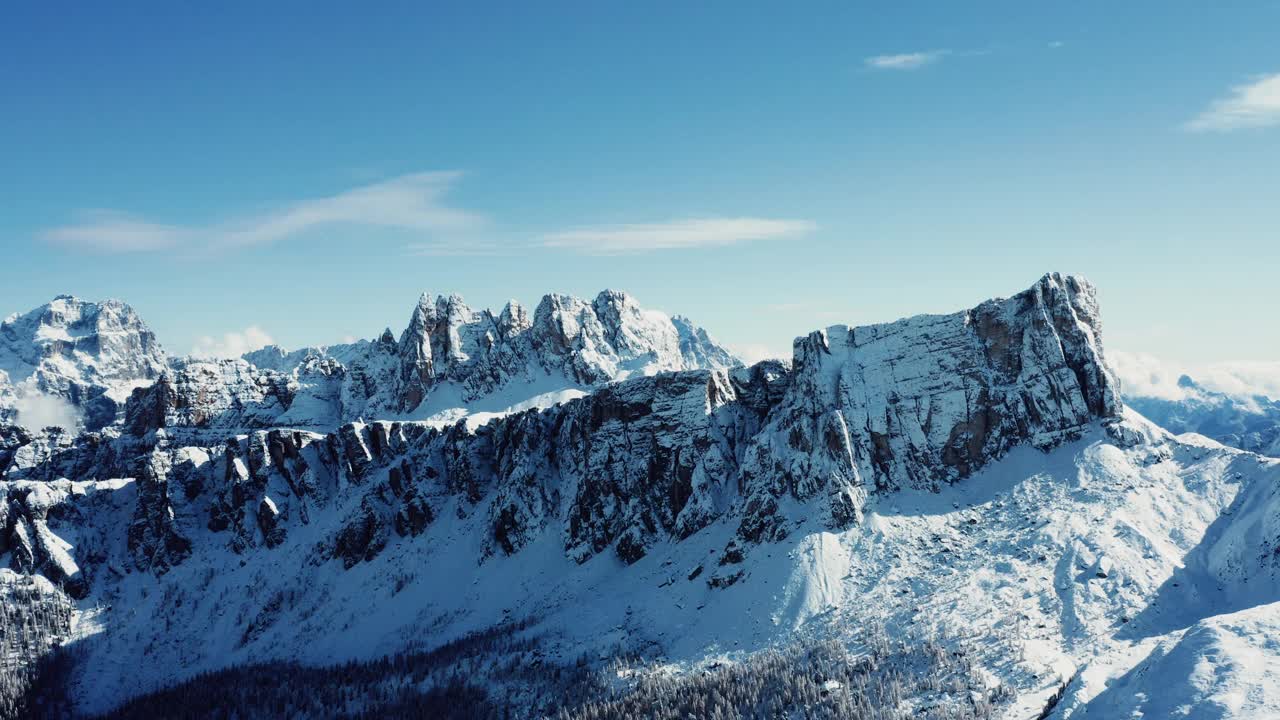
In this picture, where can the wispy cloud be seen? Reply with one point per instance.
(415, 203)
(905, 61)
(462, 247)
(113, 231)
(676, 234)
(1055, 44)
(786, 307)
(410, 202)
(1256, 104)
(232, 344)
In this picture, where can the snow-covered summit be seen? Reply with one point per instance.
(975, 472)
(88, 355)
(76, 363)
(611, 337)
(928, 400)
(450, 361)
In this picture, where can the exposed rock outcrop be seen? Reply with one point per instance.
(568, 343)
(928, 400)
(861, 411)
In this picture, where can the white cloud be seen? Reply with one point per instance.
(1055, 44)
(409, 202)
(458, 247)
(905, 61)
(676, 234)
(752, 353)
(1256, 104)
(1242, 378)
(1144, 375)
(111, 231)
(232, 344)
(37, 411)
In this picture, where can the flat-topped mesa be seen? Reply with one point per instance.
(928, 400)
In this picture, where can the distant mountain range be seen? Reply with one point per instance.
(94, 355)
(1249, 422)
(594, 510)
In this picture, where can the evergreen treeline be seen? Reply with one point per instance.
(501, 673)
(925, 680)
(481, 676)
(33, 620)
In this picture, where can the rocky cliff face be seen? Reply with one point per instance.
(920, 403)
(584, 343)
(88, 355)
(449, 358)
(926, 401)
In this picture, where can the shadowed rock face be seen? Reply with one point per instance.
(861, 411)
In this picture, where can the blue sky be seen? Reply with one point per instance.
(308, 169)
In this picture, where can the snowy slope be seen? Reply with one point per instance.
(1206, 644)
(1012, 556)
(1224, 666)
(971, 475)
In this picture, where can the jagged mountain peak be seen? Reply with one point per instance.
(86, 354)
(67, 317)
(449, 361)
(926, 472)
(587, 343)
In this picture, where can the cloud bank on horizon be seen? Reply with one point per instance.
(1144, 375)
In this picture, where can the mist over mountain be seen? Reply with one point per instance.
(1233, 403)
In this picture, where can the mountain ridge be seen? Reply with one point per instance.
(567, 345)
(927, 472)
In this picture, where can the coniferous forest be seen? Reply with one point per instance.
(503, 673)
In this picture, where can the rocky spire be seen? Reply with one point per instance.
(417, 359)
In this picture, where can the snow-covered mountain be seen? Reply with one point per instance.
(74, 362)
(971, 479)
(1249, 422)
(449, 362)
